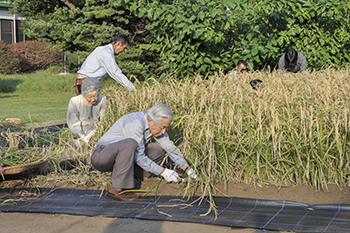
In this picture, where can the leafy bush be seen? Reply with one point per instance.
(196, 36)
(34, 55)
(318, 29)
(9, 84)
(80, 26)
(9, 61)
(201, 36)
(191, 36)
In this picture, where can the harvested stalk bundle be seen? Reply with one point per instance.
(12, 157)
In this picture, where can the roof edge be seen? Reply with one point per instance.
(6, 4)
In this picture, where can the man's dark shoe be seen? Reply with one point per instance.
(127, 196)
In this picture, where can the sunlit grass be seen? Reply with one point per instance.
(39, 98)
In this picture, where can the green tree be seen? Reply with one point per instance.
(201, 36)
(196, 36)
(318, 29)
(74, 25)
(192, 36)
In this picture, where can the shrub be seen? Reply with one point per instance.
(202, 36)
(34, 55)
(191, 36)
(9, 61)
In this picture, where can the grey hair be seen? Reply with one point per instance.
(90, 84)
(158, 112)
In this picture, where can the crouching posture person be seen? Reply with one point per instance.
(126, 143)
(85, 110)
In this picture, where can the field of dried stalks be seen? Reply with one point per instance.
(292, 130)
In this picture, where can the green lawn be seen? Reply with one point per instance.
(35, 107)
(36, 98)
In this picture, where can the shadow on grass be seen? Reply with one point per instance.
(8, 96)
(9, 85)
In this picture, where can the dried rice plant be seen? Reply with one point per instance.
(292, 130)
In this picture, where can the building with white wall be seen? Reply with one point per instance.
(10, 24)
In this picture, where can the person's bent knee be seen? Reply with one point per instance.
(132, 142)
(103, 154)
(128, 144)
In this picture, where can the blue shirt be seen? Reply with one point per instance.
(135, 126)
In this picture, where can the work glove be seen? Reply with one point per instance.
(87, 137)
(90, 134)
(191, 173)
(170, 175)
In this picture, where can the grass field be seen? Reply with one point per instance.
(38, 98)
(35, 107)
(35, 98)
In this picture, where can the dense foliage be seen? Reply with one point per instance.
(196, 36)
(191, 36)
(199, 36)
(9, 61)
(27, 56)
(83, 25)
(34, 55)
(318, 29)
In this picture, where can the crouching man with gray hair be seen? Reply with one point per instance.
(126, 143)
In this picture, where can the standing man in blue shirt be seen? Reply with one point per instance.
(102, 62)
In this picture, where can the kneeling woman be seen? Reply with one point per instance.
(85, 110)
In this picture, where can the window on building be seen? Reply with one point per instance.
(7, 31)
(19, 33)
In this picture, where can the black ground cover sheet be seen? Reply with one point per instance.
(234, 211)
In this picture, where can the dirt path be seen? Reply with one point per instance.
(60, 223)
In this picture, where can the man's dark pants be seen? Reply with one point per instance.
(118, 158)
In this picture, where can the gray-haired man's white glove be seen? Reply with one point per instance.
(170, 175)
(191, 173)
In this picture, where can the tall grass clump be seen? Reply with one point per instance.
(292, 130)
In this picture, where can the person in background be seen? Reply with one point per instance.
(240, 68)
(292, 61)
(256, 84)
(102, 62)
(85, 110)
(127, 143)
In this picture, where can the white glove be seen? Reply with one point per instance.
(191, 173)
(170, 175)
(87, 137)
(82, 137)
